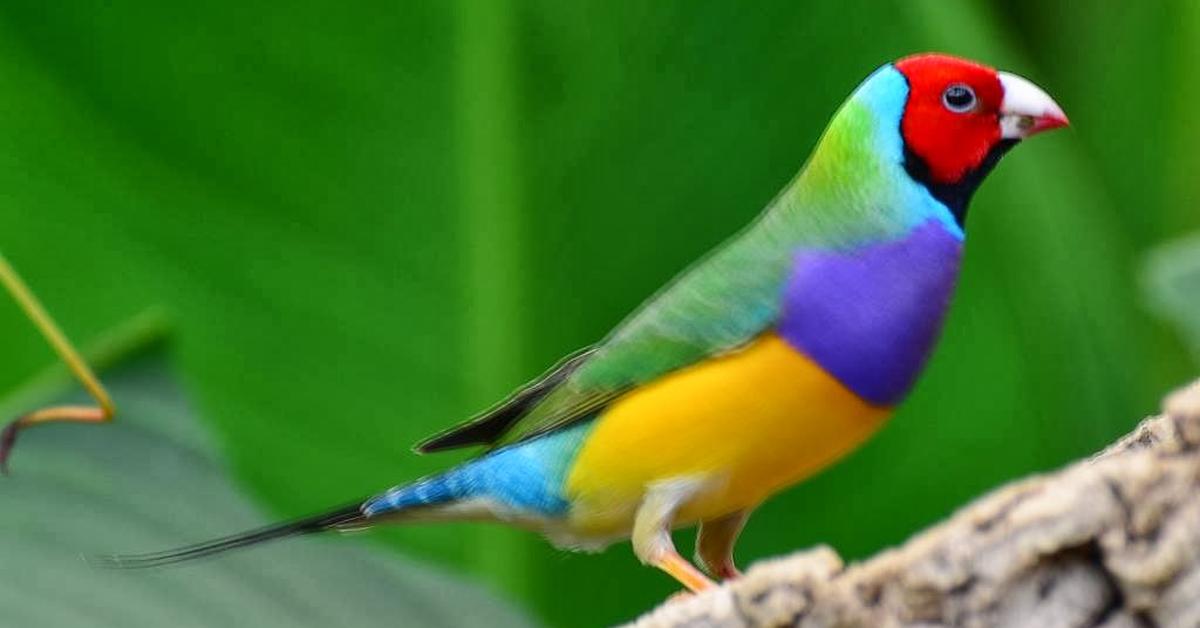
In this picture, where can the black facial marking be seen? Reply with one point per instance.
(957, 195)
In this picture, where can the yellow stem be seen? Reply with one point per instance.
(58, 341)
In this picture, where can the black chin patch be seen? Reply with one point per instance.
(957, 195)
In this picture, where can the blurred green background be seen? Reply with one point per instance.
(367, 220)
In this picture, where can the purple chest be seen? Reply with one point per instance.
(870, 317)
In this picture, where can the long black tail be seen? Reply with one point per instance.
(347, 516)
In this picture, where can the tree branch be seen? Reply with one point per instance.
(1111, 541)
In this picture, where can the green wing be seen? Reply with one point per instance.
(716, 306)
(488, 426)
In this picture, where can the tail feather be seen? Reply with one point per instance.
(347, 516)
(525, 479)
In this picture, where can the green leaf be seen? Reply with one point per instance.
(152, 481)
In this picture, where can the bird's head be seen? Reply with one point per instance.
(960, 117)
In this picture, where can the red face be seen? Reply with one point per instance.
(952, 118)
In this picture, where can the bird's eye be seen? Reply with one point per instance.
(959, 98)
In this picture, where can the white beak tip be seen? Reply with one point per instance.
(1027, 109)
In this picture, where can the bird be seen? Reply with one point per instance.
(763, 363)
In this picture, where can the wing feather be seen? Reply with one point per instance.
(718, 305)
(488, 426)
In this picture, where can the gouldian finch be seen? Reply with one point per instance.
(760, 365)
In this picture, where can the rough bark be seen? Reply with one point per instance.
(1111, 541)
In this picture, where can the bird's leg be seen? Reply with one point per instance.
(715, 541)
(652, 532)
(102, 411)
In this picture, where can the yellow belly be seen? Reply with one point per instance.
(748, 424)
